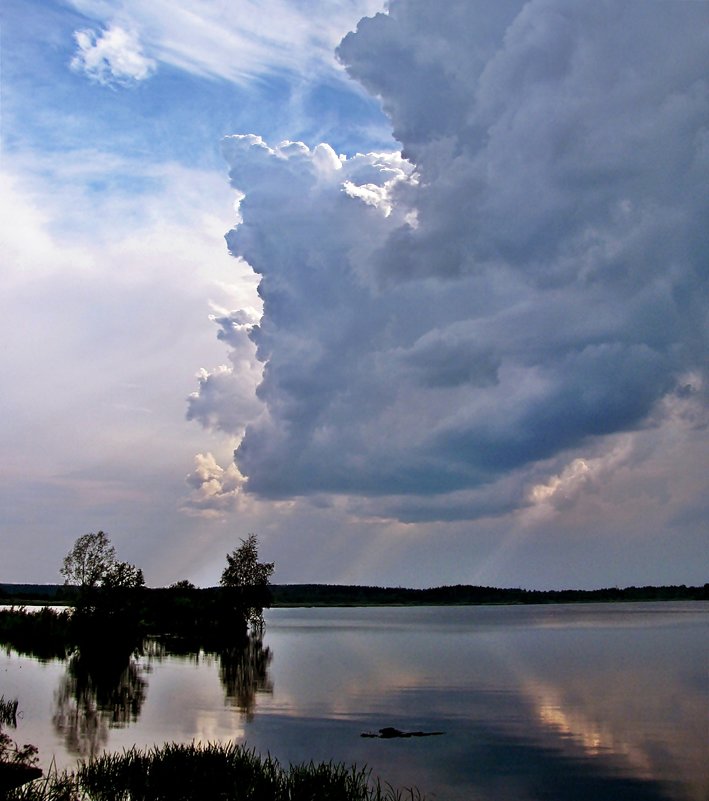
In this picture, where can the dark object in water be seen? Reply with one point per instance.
(13, 775)
(389, 732)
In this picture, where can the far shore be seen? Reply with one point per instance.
(336, 595)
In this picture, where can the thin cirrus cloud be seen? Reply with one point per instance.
(235, 42)
(489, 311)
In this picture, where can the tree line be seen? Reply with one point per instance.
(358, 595)
(464, 594)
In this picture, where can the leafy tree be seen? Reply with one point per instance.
(122, 575)
(92, 563)
(89, 560)
(182, 584)
(243, 567)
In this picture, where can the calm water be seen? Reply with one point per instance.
(547, 702)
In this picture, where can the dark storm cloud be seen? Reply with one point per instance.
(532, 280)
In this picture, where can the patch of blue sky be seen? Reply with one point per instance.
(346, 119)
(171, 116)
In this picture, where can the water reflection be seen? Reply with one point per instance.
(632, 698)
(551, 703)
(557, 703)
(100, 690)
(243, 672)
(105, 688)
(243, 663)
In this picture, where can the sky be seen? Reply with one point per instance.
(415, 292)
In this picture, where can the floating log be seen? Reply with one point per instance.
(389, 732)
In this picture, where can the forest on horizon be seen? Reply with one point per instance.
(284, 595)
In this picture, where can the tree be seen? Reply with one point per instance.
(243, 568)
(88, 562)
(92, 563)
(182, 584)
(122, 575)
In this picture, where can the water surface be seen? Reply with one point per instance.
(597, 701)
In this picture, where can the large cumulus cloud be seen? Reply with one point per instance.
(525, 281)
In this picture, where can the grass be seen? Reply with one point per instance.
(215, 771)
(13, 756)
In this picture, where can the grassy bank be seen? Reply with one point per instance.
(218, 772)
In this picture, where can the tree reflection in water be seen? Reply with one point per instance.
(101, 689)
(104, 685)
(243, 671)
(243, 662)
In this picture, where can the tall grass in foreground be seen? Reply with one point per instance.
(211, 772)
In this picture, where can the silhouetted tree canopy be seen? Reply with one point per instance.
(243, 567)
(87, 562)
(182, 584)
(92, 563)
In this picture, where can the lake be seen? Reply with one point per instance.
(572, 702)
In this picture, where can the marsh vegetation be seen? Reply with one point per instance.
(213, 771)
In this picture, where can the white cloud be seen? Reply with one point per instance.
(215, 490)
(571, 477)
(226, 398)
(575, 478)
(113, 56)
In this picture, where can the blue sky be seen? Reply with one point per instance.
(481, 361)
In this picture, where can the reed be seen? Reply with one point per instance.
(215, 771)
(8, 712)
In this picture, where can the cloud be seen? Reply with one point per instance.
(112, 57)
(226, 398)
(235, 41)
(522, 284)
(106, 312)
(547, 142)
(215, 490)
(578, 474)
